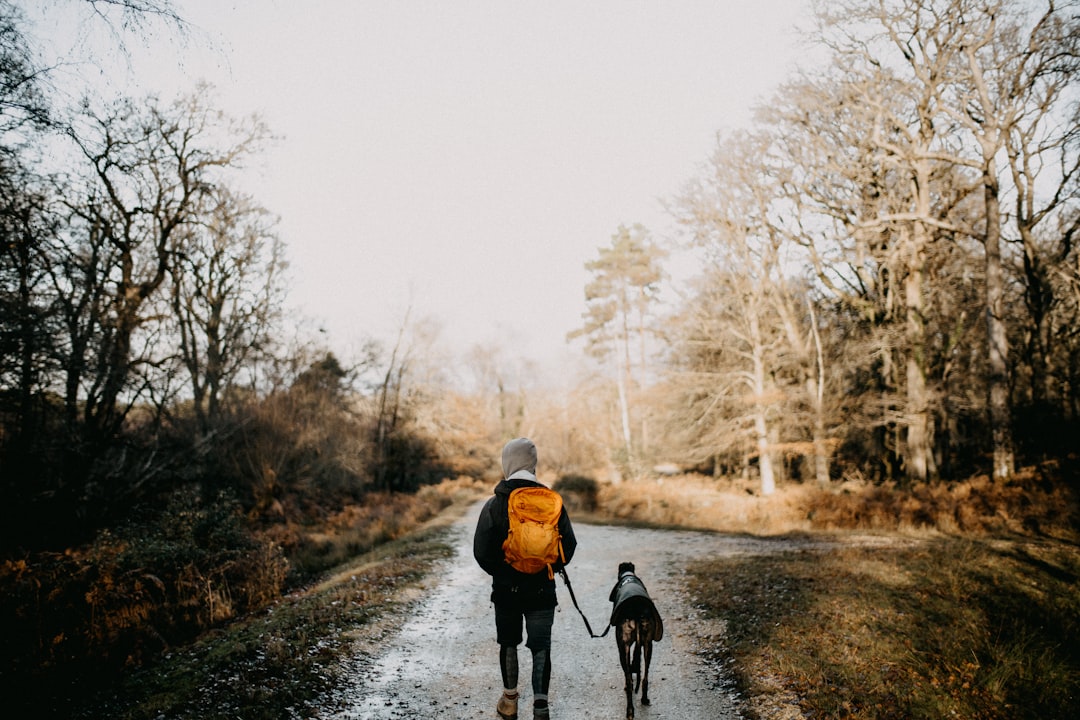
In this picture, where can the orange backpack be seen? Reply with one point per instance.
(533, 542)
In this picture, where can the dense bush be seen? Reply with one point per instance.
(579, 492)
(358, 528)
(136, 590)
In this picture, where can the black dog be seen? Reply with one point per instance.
(639, 625)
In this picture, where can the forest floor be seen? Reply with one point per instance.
(800, 625)
(929, 626)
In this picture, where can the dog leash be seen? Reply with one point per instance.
(566, 579)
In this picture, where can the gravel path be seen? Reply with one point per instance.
(442, 661)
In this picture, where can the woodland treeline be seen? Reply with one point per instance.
(165, 430)
(889, 291)
(144, 332)
(890, 283)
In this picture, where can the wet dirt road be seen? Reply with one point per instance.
(441, 661)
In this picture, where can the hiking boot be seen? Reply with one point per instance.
(540, 712)
(507, 707)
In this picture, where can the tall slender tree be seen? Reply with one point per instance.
(620, 300)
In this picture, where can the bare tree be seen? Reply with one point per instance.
(28, 327)
(499, 383)
(23, 92)
(619, 305)
(411, 379)
(1024, 70)
(971, 27)
(747, 315)
(995, 73)
(149, 169)
(905, 60)
(226, 294)
(837, 187)
(909, 137)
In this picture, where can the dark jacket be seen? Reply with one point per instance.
(508, 585)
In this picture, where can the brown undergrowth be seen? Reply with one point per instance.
(945, 627)
(313, 548)
(74, 622)
(940, 600)
(1029, 503)
(286, 660)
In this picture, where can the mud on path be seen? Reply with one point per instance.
(441, 660)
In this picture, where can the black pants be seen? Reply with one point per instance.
(508, 627)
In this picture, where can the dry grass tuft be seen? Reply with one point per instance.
(967, 606)
(696, 501)
(358, 528)
(283, 662)
(946, 627)
(1028, 503)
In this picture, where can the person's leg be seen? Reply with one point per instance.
(538, 626)
(508, 664)
(508, 634)
(541, 679)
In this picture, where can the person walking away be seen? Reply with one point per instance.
(519, 596)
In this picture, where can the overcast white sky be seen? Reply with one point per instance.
(468, 157)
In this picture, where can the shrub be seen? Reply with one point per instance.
(137, 590)
(580, 492)
(358, 528)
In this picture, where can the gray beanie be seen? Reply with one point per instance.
(518, 454)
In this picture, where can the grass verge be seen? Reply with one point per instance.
(277, 663)
(938, 628)
(1038, 500)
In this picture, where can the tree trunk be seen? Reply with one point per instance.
(990, 131)
(816, 392)
(765, 465)
(1039, 294)
(761, 426)
(624, 410)
(917, 447)
(997, 385)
